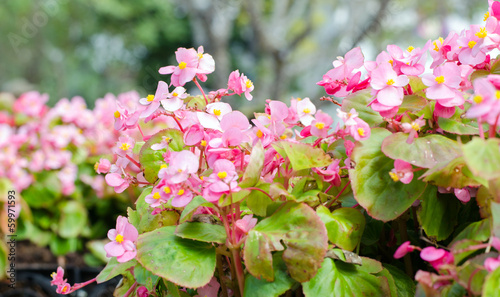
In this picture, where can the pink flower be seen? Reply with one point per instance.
(214, 113)
(244, 225)
(223, 180)
(190, 64)
(182, 164)
(209, 290)
(122, 241)
(360, 131)
(485, 105)
(321, 124)
(142, 291)
(492, 264)
(444, 49)
(443, 85)
(240, 84)
(331, 173)
(403, 249)
(153, 101)
(402, 172)
(387, 85)
(409, 62)
(57, 277)
(125, 117)
(462, 194)
(175, 100)
(116, 181)
(413, 128)
(31, 104)
(436, 257)
(306, 110)
(102, 166)
(124, 145)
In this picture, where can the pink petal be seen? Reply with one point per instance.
(431, 254)
(390, 96)
(114, 179)
(440, 91)
(167, 70)
(114, 249)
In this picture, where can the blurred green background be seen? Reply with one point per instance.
(92, 47)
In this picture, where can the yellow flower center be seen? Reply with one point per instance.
(222, 174)
(415, 126)
(167, 190)
(150, 98)
(174, 94)
(361, 132)
(320, 125)
(117, 114)
(390, 82)
(391, 62)
(163, 166)
(125, 146)
(156, 196)
(394, 176)
(439, 79)
(248, 84)
(53, 275)
(179, 170)
(410, 48)
(436, 47)
(477, 99)
(182, 65)
(64, 289)
(259, 134)
(497, 94)
(200, 55)
(96, 165)
(486, 16)
(204, 143)
(180, 193)
(217, 112)
(119, 238)
(306, 110)
(482, 33)
(471, 43)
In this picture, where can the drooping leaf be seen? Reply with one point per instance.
(426, 151)
(302, 156)
(304, 235)
(151, 160)
(438, 214)
(185, 262)
(202, 232)
(252, 172)
(345, 226)
(339, 279)
(463, 127)
(372, 185)
(114, 268)
(450, 174)
(483, 157)
(255, 287)
(359, 101)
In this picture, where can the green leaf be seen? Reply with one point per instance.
(149, 222)
(483, 157)
(125, 284)
(255, 287)
(192, 206)
(464, 127)
(340, 279)
(404, 284)
(202, 232)
(152, 160)
(303, 156)
(359, 101)
(412, 103)
(44, 191)
(438, 214)
(251, 176)
(345, 226)
(478, 74)
(61, 246)
(492, 284)
(257, 201)
(495, 222)
(459, 249)
(479, 231)
(451, 174)
(373, 188)
(73, 219)
(472, 273)
(416, 84)
(300, 229)
(114, 268)
(185, 262)
(426, 151)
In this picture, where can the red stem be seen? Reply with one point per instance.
(133, 161)
(201, 89)
(177, 121)
(260, 190)
(338, 195)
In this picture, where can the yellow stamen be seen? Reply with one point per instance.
(200, 55)
(125, 146)
(471, 43)
(179, 170)
(390, 82)
(486, 16)
(394, 176)
(180, 193)
(167, 190)
(150, 98)
(53, 275)
(156, 196)
(174, 94)
(119, 238)
(96, 165)
(259, 134)
(182, 65)
(283, 136)
(217, 112)
(117, 114)
(306, 110)
(391, 62)
(202, 177)
(163, 166)
(482, 33)
(410, 48)
(248, 84)
(477, 99)
(64, 289)
(299, 99)
(497, 94)
(222, 174)
(204, 143)
(361, 132)
(439, 79)
(415, 126)
(320, 125)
